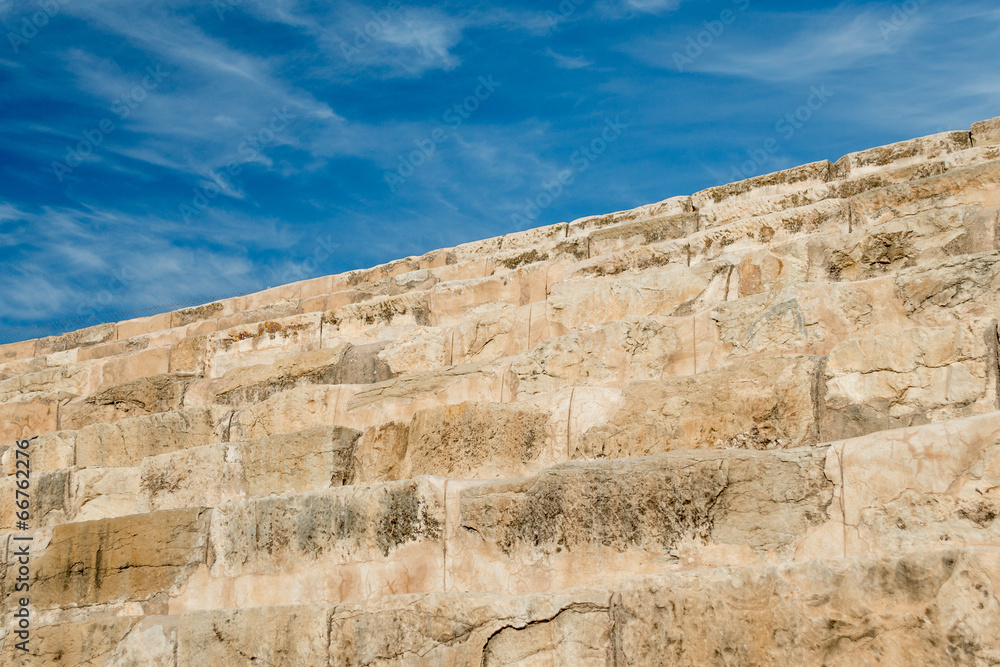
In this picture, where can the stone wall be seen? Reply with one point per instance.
(756, 425)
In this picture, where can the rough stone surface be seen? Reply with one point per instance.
(755, 425)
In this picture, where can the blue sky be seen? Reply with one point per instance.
(169, 152)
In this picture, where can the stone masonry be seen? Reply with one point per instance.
(754, 426)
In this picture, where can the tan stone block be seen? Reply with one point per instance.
(977, 186)
(208, 311)
(103, 493)
(262, 343)
(66, 379)
(986, 132)
(314, 458)
(633, 349)
(265, 636)
(930, 608)
(909, 377)
(188, 355)
(143, 325)
(49, 451)
(112, 560)
(807, 318)
(14, 351)
(566, 628)
(126, 442)
(291, 410)
(113, 348)
(197, 477)
(250, 317)
(952, 290)
(450, 301)
(642, 232)
(666, 208)
(324, 302)
(135, 398)
(323, 546)
(577, 304)
(376, 318)
(761, 195)
(420, 349)
(612, 520)
(760, 404)
(919, 487)
(49, 499)
(89, 336)
(903, 153)
(491, 332)
(131, 366)
(87, 643)
(470, 440)
(27, 418)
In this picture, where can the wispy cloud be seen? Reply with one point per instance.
(568, 62)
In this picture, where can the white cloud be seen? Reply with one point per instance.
(568, 62)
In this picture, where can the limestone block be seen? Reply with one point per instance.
(952, 290)
(130, 366)
(243, 386)
(314, 458)
(903, 153)
(265, 636)
(470, 440)
(197, 477)
(13, 351)
(977, 186)
(450, 301)
(577, 304)
(188, 355)
(114, 348)
(374, 319)
(291, 410)
(923, 239)
(27, 417)
(401, 398)
(761, 195)
(663, 209)
(89, 336)
(68, 379)
(142, 325)
(916, 375)
(49, 499)
(71, 643)
(807, 318)
(641, 232)
(261, 343)
(250, 317)
(606, 521)
(135, 398)
(633, 349)
(929, 608)
(490, 332)
(129, 558)
(986, 133)
(566, 628)
(48, 451)
(420, 349)
(760, 404)
(323, 546)
(934, 485)
(125, 443)
(103, 493)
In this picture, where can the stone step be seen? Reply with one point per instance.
(929, 607)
